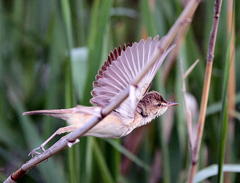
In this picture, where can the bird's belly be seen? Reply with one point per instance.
(110, 127)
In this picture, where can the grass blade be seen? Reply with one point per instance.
(49, 170)
(224, 119)
(73, 153)
(213, 170)
(128, 154)
(105, 173)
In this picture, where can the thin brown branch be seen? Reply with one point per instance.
(205, 93)
(71, 138)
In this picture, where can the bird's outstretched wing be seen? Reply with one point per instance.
(117, 73)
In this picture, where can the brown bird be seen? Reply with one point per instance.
(141, 107)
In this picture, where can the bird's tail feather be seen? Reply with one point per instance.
(58, 113)
(65, 114)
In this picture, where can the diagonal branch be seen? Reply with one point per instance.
(71, 138)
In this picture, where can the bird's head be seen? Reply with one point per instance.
(153, 105)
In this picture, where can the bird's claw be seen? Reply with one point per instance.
(37, 151)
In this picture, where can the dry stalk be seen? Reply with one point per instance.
(205, 93)
(187, 109)
(232, 80)
(231, 35)
(71, 137)
(190, 69)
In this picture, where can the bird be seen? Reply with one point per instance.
(122, 65)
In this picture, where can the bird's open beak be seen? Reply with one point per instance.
(172, 104)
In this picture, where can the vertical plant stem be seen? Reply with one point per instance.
(228, 96)
(68, 23)
(166, 159)
(116, 162)
(104, 171)
(100, 19)
(201, 122)
(73, 153)
(205, 93)
(231, 37)
(232, 80)
(148, 20)
(224, 125)
(148, 17)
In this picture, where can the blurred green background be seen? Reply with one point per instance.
(50, 52)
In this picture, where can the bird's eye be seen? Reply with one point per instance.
(159, 105)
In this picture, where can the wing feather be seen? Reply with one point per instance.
(122, 66)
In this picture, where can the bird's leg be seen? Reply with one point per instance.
(41, 148)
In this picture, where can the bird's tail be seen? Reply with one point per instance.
(65, 114)
(57, 113)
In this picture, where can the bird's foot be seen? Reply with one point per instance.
(37, 151)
